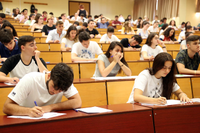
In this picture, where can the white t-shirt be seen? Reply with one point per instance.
(66, 24)
(151, 29)
(143, 35)
(180, 36)
(67, 42)
(88, 53)
(161, 31)
(150, 85)
(150, 51)
(32, 87)
(183, 43)
(106, 38)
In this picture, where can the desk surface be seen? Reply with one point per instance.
(124, 118)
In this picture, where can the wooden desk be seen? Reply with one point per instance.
(124, 118)
(177, 118)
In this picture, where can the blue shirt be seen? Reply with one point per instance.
(5, 52)
(103, 26)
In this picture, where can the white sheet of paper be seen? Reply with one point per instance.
(195, 99)
(169, 102)
(114, 78)
(7, 83)
(183, 75)
(94, 110)
(45, 115)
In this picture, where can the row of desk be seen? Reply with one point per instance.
(124, 118)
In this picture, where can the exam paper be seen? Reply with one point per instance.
(7, 83)
(169, 102)
(45, 116)
(94, 110)
(114, 78)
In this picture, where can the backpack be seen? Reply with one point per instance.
(32, 8)
(1, 7)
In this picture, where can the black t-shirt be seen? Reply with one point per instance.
(47, 29)
(94, 32)
(126, 44)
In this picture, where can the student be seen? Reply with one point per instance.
(76, 24)
(16, 11)
(44, 89)
(150, 49)
(57, 34)
(85, 50)
(75, 18)
(182, 26)
(156, 19)
(168, 36)
(9, 26)
(66, 23)
(44, 15)
(132, 43)
(36, 11)
(8, 45)
(93, 32)
(54, 18)
(164, 20)
(38, 25)
(24, 17)
(21, 64)
(188, 59)
(155, 85)
(2, 17)
(69, 39)
(112, 62)
(82, 18)
(82, 11)
(127, 29)
(129, 19)
(172, 24)
(84, 26)
(164, 27)
(182, 34)
(137, 22)
(103, 24)
(160, 23)
(121, 18)
(116, 22)
(109, 37)
(153, 28)
(144, 32)
(183, 43)
(18, 16)
(31, 20)
(49, 26)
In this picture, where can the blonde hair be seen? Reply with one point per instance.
(126, 27)
(49, 17)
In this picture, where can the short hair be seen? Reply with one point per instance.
(192, 38)
(44, 12)
(2, 15)
(62, 76)
(155, 22)
(110, 29)
(187, 34)
(5, 36)
(24, 39)
(82, 15)
(89, 16)
(161, 20)
(62, 14)
(182, 23)
(51, 13)
(35, 9)
(24, 10)
(76, 22)
(138, 38)
(188, 27)
(103, 18)
(85, 24)
(90, 21)
(59, 23)
(164, 18)
(96, 16)
(164, 26)
(84, 36)
(140, 18)
(116, 16)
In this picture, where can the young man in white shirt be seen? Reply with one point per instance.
(85, 50)
(24, 63)
(154, 28)
(57, 34)
(109, 37)
(65, 21)
(38, 93)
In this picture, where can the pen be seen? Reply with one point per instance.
(158, 93)
(75, 110)
(129, 45)
(35, 103)
(111, 56)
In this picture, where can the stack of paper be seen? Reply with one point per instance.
(94, 110)
(114, 78)
(45, 115)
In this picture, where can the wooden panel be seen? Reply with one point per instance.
(175, 54)
(4, 95)
(105, 46)
(132, 55)
(123, 36)
(173, 46)
(37, 34)
(55, 46)
(75, 68)
(51, 57)
(38, 40)
(24, 33)
(43, 47)
(92, 94)
(116, 94)
(195, 87)
(185, 86)
(43, 39)
(137, 67)
(50, 66)
(66, 57)
(21, 29)
(73, 7)
(87, 70)
(95, 40)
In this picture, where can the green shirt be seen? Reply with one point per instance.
(160, 25)
(183, 58)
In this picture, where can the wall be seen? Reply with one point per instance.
(109, 8)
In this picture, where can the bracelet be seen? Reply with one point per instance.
(164, 47)
(122, 65)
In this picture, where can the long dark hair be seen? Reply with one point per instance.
(111, 47)
(6, 23)
(150, 37)
(67, 35)
(167, 31)
(169, 80)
